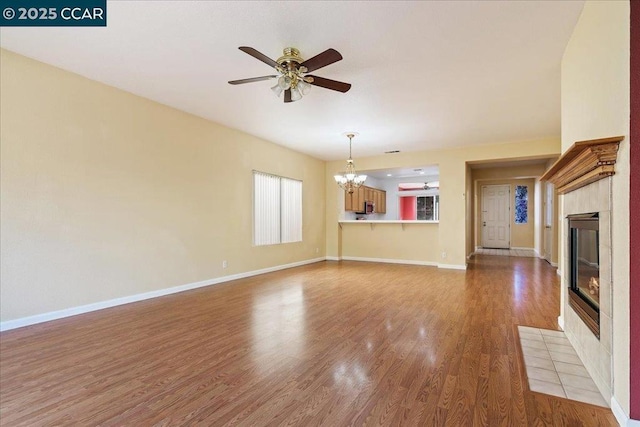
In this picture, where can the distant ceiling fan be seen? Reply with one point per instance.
(292, 70)
(431, 185)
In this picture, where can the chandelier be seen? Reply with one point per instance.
(350, 180)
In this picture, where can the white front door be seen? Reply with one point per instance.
(548, 221)
(495, 216)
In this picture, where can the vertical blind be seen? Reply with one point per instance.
(277, 209)
(291, 210)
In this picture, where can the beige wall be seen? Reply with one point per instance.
(452, 164)
(106, 194)
(509, 172)
(407, 242)
(522, 235)
(595, 104)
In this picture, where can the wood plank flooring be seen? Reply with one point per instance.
(332, 344)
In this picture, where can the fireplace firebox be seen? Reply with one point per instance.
(584, 269)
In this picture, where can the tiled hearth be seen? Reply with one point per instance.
(553, 366)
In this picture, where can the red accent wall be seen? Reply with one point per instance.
(408, 207)
(634, 217)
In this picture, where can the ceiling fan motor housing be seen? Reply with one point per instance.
(290, 54)
(290, 62)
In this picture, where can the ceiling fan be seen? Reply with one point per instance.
(431, 185)
(292, 70)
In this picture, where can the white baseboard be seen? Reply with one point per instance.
(453, 266)
(622, 418)
(561, 322)
(559, 272)
(405, 261)
(589, 263)
(389, 260)
(59, 314)
(333, 258)
(515, 248)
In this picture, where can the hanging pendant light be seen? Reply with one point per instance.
(350, 180)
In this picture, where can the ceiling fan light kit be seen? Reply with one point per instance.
(350, 180)
(292, 78)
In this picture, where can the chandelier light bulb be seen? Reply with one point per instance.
(277, 90)
(303, 87)
(295, 94)
(284, 82)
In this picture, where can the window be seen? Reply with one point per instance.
(427, 208)
(277, 209)
(522, 199)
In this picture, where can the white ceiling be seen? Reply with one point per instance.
(425, 75)
(424, 172)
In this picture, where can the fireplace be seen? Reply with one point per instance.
(584, 269)
(583, 177)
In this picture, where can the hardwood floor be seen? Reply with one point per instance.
(330, 344)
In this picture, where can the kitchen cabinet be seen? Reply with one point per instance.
(359, 204)
(369, 194)
(354, 202)
(348, 202)
(357, 199)
(381, 201)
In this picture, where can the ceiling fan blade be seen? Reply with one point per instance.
(287, 95)
(330, 84)
(260, 56)
(251, 80)
(323, 59)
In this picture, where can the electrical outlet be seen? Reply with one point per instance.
(225, 264)
(444, 255)
(317, 250)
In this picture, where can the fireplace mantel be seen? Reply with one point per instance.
(585, 162)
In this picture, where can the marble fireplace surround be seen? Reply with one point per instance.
(583, 176)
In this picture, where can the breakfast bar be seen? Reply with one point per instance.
(393, 241)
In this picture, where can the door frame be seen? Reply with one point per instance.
(548, 220)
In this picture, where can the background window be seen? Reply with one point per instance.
(427, 208)
(277, 209)
(522, 199)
